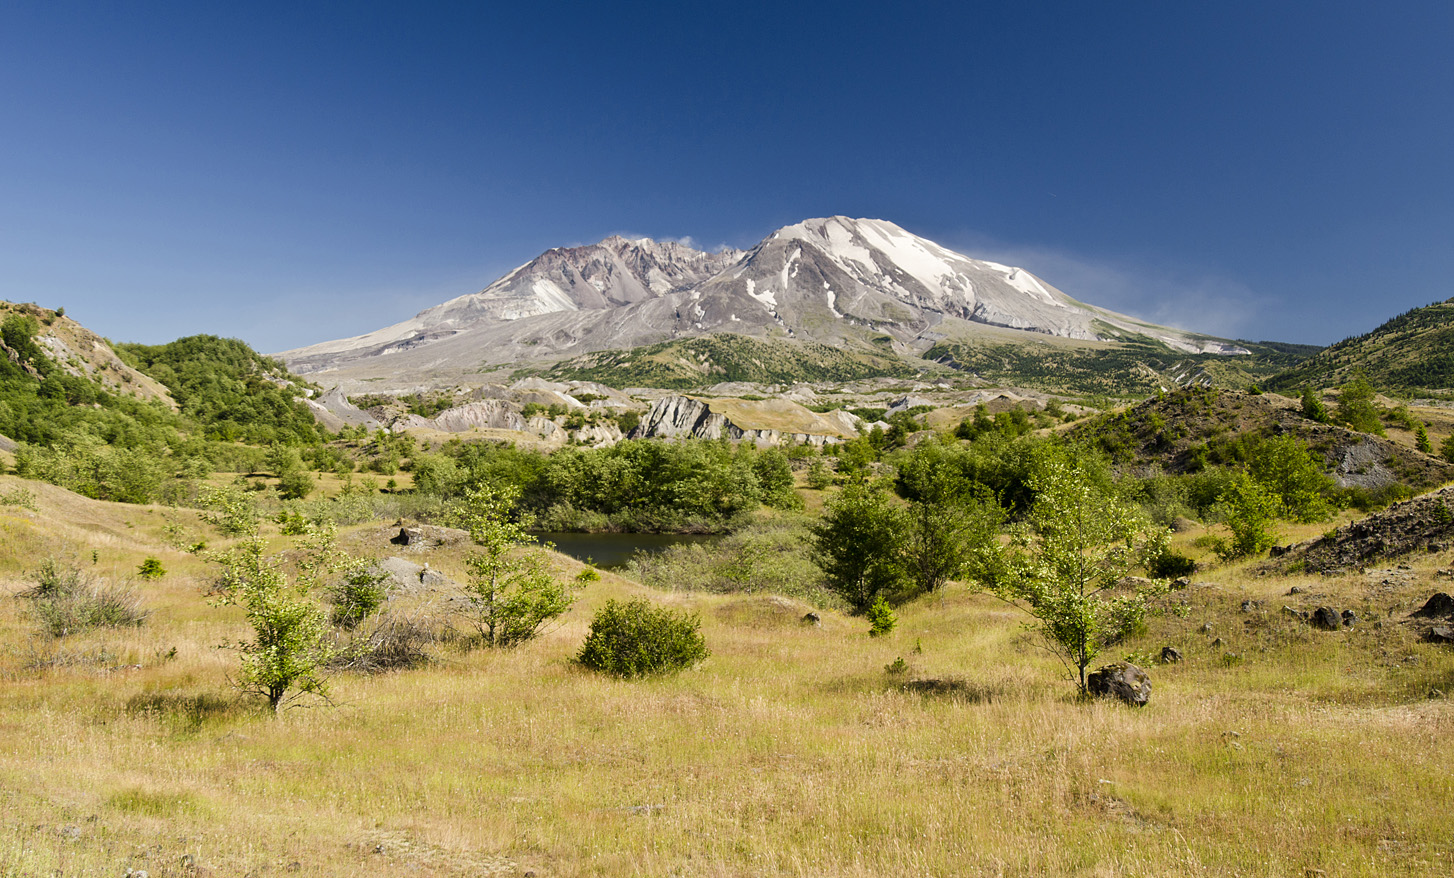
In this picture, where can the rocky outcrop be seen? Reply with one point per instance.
(428, 536)
(486, 414)
(766, 422)
(334, 411)
(1422, 524)
(598, 435)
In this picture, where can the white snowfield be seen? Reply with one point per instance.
(820, 279)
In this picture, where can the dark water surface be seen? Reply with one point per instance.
(609, 551)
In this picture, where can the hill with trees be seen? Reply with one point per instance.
(1412, 352)
(137, 423)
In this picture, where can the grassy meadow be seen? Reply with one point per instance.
(1273, 749)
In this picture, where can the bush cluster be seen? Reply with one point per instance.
(636, 639)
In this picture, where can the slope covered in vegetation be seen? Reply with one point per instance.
(83, 418)
(44, 400)
(1413, 351)
(1134, 367)
(1189, 430)
(709, 359)
(234, 392)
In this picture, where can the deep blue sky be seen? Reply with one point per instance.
(291, 173)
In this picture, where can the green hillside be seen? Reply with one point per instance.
(144, 425)
(1413, 351)
(696, 362)
(231, 390)
(1136, 367)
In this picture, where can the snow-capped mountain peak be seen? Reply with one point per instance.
(829, 279)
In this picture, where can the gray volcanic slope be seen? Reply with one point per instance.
(832, 280)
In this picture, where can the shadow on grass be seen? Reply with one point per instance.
(187, 714)
(953, 689)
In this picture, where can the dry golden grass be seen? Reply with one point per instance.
(789, 751)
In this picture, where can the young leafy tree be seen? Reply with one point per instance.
(290, 646)
(950, 521)
(1065, 567)
(1283, 466)
(859, 544)
(512, 594)
(1249, 510)
(1356, 407)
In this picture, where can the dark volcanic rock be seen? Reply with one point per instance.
(1439, 634)
(1327, 619)
(1121, 680)
(1438, 606)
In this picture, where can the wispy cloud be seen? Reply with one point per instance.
(1190, 300)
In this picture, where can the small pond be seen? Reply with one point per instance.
(611, 550)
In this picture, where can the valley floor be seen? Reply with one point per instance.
(1279, 750)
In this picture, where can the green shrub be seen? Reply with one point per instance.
(819, 476)
(1171, 565)
(151, 568)
(358, 594)
(635, 639)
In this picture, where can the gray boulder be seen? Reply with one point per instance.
(1121, 680)
(1439, 634)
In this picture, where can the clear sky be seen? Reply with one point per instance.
(288, 173)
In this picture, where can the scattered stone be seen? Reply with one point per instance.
(1350, 618)
(1327, 619)
(1295, 590)
(1123, 681)
(1207, 628)
(1179, 584)
(812, 619)
(1439, 634)
(1138, 583)
(1438, 606)
(1250, 606)
(425, 536)
(1279, 551)
(1295, 613)
(1170, 655)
